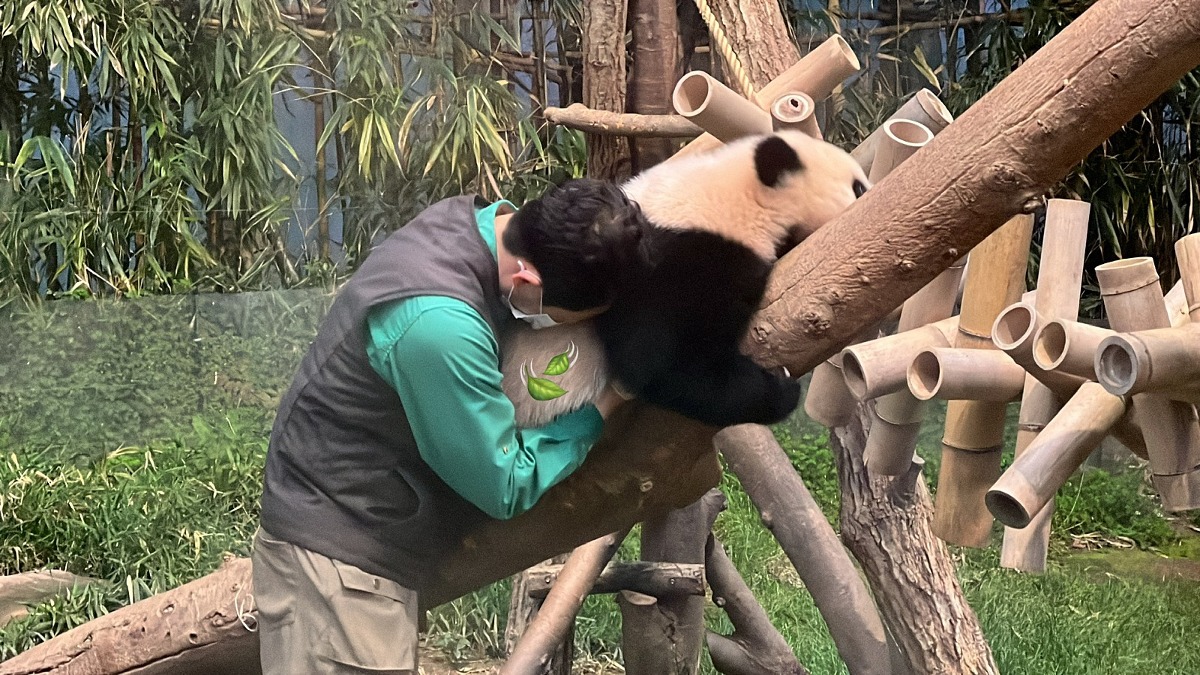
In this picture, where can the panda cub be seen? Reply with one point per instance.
(671, 337)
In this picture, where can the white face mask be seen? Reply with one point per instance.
(537, 321)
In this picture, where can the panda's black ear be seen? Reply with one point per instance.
(773, 159)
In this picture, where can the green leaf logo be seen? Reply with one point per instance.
(563, 362)
(540, 389)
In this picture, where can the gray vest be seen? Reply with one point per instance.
(343, 476)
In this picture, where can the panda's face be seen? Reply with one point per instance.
(806, 182)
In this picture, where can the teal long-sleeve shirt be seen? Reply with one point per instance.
(442, 359)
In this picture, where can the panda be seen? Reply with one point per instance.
(719, 220)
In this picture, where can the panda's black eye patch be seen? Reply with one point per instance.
(859, 189)
(774, 158)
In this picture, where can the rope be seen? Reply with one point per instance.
(718, 35)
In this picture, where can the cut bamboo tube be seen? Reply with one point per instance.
(897, 416)
(1187, 255)
(718, 109)
(974, 433)
(877, 367)
(1069, 346)
(925, 107)
(1134, 301)
(796, 110)
(1013, 334)
(828, 400)
(1158, 360)
(965, 374)
(1060, 278)
(817, 74)
(1177, 305)
(901, 138)
(1059, 449)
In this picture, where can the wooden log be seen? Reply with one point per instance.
(523, 608)
(1134, 301)
(654, 32)
(1060, 278)
(974, 435)
(885, 522)
(1059, 449)
(603, 34)
(996, 160)
(537, 646)
(666, 636)
(756, 647)
(579, 116)
(793, 516)
(1187, 255)
(656, 579)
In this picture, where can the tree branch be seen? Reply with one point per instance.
(579, 116)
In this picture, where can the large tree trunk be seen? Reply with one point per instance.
(758, 34)
(995, 159)
(604, 82)
(886, 524)
(655, 70)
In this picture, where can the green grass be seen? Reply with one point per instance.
(149, 518)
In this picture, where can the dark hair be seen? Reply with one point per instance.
(581, 236)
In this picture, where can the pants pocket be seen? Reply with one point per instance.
(372, 623)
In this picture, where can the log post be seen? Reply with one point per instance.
(663, 636)
(793, 516)
(756, 646)
(537, 647)
(603, 33)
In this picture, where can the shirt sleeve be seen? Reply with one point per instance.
(442, 359)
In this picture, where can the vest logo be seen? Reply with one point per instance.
(542, 389)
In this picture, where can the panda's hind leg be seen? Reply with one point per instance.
(724, 392)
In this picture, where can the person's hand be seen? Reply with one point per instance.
(611, 398)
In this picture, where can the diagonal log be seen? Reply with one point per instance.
(996, 160)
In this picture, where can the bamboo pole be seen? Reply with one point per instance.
(796, 110)
(1060, 278)
(878, 367)
(974, 433)
(1069, 346)
(1159, 360)
(717, 109)
(897, 416)
(900, 140)
(924, 107)
(965, 374)
(1134, 301)
(1187, 256)
(816, 74)
(1060, 448)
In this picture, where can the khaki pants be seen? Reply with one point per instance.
(319, 615)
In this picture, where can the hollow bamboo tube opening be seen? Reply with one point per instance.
(796, 110)
(1014, 326)
(1117, 366)
(1068, 346)
(1164, 360)
(878, 367)
(925, 107)
(965, 374)
(1059, 449)
(901, 138)
(718, 109)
